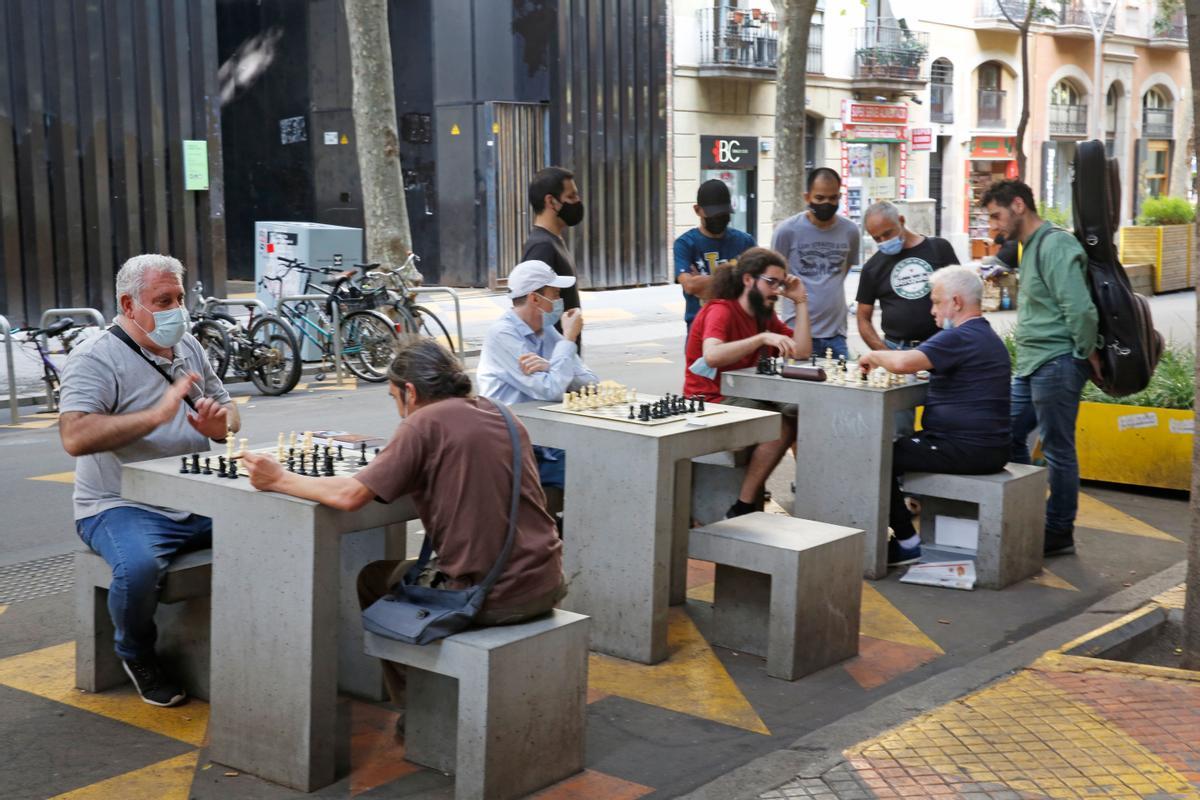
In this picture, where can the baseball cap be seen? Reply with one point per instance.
(529, 276)
(713, 198)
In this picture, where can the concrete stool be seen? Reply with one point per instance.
(716, 481)
(182, 619)
(502, 708)
(1010, 506)
(786, 588)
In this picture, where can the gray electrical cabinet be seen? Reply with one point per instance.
(313, 244)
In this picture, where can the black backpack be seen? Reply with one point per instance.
(1131, 346)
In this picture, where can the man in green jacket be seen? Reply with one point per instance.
(1057, 334)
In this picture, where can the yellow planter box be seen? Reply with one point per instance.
(1135, 445)
(1168, 247)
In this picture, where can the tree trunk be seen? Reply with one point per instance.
(790, 90)
(1191, 610)
(1024, 121)
(374, 100)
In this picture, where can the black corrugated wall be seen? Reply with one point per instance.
(611, 112)
(96, 98)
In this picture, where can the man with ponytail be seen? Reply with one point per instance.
(453, 456)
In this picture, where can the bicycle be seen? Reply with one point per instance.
(368, 337)
(413, 317)
(67, 332)
(265, 352)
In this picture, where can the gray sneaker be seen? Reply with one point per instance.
(152, 683)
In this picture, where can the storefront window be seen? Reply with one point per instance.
(1158, 165)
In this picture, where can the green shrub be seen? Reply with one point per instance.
(1166, 211)
(1057, 216)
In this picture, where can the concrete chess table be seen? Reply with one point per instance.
(844, 450)
(286, 629)
(627, 509)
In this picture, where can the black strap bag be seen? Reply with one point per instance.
(423, 614)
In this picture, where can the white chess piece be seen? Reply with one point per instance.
(279, 452)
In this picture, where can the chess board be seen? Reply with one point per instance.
(832, 372)
(620, 412)
(346, 466)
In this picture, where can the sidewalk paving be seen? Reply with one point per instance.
(1065, 727)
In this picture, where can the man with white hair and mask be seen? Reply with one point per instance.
(142, 390)
(965, 425)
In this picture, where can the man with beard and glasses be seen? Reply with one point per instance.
(556, 204)
(733, 329)
(707, 246)
(820, 247)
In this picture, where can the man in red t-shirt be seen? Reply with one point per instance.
(731, 331)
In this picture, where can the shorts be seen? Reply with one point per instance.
(787, 409)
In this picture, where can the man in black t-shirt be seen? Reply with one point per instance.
(966, 419)
(557, 206)
(898, 277)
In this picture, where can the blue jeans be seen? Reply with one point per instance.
(138, 545)
(835, 343)
(552, 466)
(1049, 401)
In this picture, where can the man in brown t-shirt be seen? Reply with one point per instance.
(454, 456)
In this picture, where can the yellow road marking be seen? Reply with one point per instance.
(3, 609)
(651, 360)
(36, 425)
(166, 780)
(242, 400)
(50, 673)
(1051, 581)
(1172, 598)
(56, 477)
(347, 385)
(882, 620)
(41, 415)
(679, 306)
(703, 592)
(691, 681)
(1094, 513)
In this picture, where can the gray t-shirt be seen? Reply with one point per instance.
(105, 376)
(821, 257)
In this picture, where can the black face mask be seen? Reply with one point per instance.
(823, 211)
(571, 213)
(717, 223)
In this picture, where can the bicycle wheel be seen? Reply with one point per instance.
(274, 362)
(428, 325)
(215, 342)
(368, 344)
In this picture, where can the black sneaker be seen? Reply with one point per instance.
(152, 684)
(1058, 544)
(739, 509)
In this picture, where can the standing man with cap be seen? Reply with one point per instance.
(557, 206)
(525, 358)
(712, 243)
(820, 247)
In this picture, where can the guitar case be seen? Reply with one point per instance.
(1132, 346)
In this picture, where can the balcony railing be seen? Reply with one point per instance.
(1080, 17)
(1158, 123)
(1068, 120)
(886, 52)
(991, 9)
(1176, 30)
(941, 102)
(816, 38)
(738, 38)
(991, 108)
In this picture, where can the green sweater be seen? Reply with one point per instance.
(1055, 313)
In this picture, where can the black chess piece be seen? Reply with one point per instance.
(183, 466)
(291, 464)
(814, 359)
(362, 454)
(233, 469)
(208, 466)
(303, 461)
(339, 452)
(700, 407)
(376, 451)
(195, 464)
(328, 465)
(220, 466)
(631, 414)
(692, 406)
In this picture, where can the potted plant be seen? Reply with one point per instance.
(1164, 236)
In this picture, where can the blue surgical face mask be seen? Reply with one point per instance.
(890, 247)
(550, 318)
(702, 368)
(169, 326)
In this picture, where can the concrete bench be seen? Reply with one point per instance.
(716, 481)
(1010, 506)
(501, 708)
(182, 619)
(786, 588)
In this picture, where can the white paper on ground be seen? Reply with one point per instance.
(947, 574)
(956, 532)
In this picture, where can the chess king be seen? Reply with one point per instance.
(454, 457)
(524, 358)
(142, 390)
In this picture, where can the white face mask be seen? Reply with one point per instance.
(169, 326)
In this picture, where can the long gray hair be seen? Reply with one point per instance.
(432, 370)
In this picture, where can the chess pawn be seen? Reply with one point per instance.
(242, 445)
(279, 450)
(829, 354)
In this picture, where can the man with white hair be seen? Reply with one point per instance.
(524, 358)
(965, 425)
(142, 390)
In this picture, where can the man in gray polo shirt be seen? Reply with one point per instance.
(820, 247)
(116, 407)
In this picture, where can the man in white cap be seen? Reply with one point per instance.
(524, 358)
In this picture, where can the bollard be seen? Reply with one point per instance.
(13, 407)
(462, 352)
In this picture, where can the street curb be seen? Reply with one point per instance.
(815, 753)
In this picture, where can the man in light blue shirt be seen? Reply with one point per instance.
(524, 358)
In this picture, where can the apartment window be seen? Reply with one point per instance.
(941, 91)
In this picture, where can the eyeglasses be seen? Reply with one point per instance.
(774, 283)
